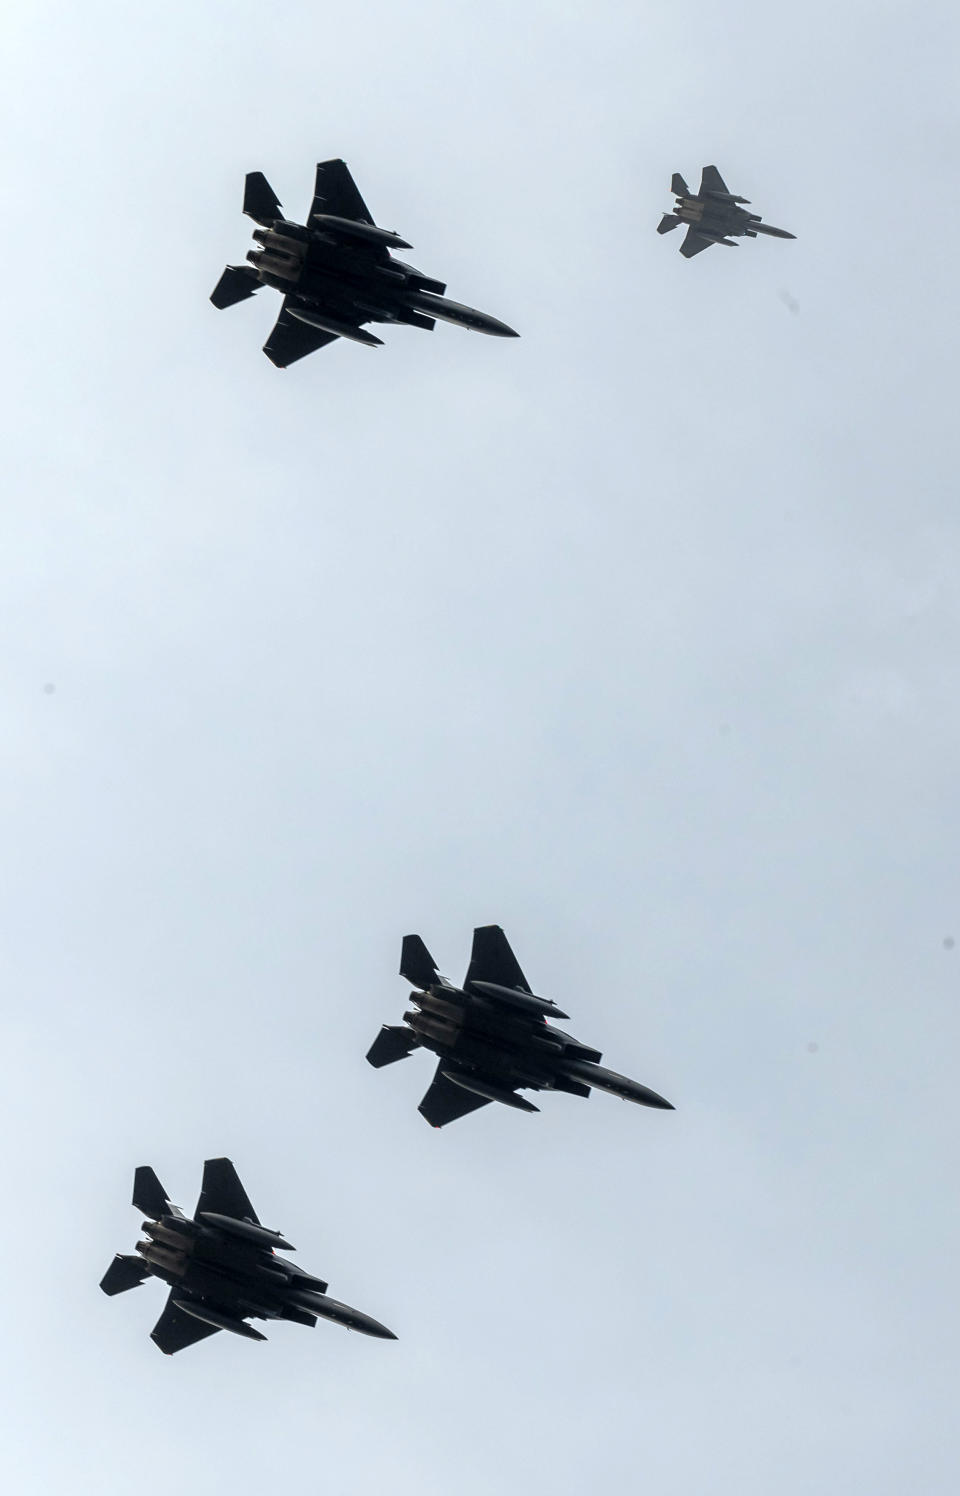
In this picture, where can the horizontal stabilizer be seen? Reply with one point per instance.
(668, 221)
(678, 186)
(124, 1273)
(260, 202)
(149, 1195)
(235, 284)
(416, 963)
(391, 1044)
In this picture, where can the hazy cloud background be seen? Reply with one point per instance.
(637, 636)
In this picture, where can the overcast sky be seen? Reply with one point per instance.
(637, 636)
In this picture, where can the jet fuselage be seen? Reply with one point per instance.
(492, 1035)
(237, 1275)
(222, 1267)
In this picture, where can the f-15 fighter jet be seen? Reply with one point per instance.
(713, 214)
(492, 1036)
(336, 272)
(222, 1266)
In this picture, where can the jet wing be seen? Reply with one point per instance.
(492, 960)
(292, 339)
(712, 181)
(174, 1330)
(235, 284)
(445, 1102)
(124, 1273)
(394, 1042)
(336, 192)
(222, 1193)
(693, 243)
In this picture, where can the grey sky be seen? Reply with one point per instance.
(638, 636)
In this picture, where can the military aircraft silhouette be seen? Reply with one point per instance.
(336, 272)
(222, 1266)
(492, 1036)
(712, 215)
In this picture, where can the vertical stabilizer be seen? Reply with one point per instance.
(260, 202)
(149, 1195)
(416, 963)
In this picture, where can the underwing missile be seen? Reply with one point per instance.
(489, 1091)
(219, 1321)
(246, 1230)
(340, 329)
(352, 228)
(526, 1001)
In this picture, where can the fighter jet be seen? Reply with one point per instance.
(492, 1036)
(713, 214)
(336, 272)
(222, 1266)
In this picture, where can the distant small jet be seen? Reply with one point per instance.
(336, 272)
(713, 214)
(222, 1267)
(492, 1036)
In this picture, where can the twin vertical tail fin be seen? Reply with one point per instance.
(260, 202)
(416, 963)
(668, 221)
(149, 1195)
(678, 186)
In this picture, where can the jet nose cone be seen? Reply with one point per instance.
(493, 326)
(368, 1326)
(646, 1097)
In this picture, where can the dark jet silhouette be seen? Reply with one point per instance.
(492, 1036)
(336, 272)
(222, 1266)
(712, 215)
